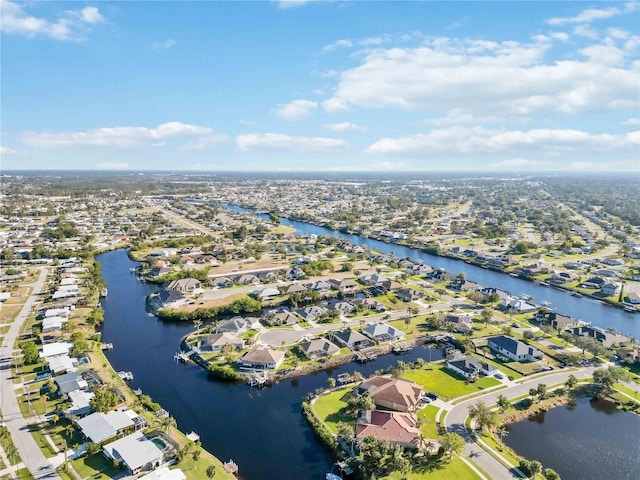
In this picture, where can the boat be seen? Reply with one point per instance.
(104, 293)
(576, 294)
(125, 375)
(332, 476)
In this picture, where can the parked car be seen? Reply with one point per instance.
(432, 395)
(499, 376)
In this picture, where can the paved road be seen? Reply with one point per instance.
(18, 426)
(455, 419)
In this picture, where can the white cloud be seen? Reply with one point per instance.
(116, 137)
(6, 150)
(345, 127)
(287, 4)
(112, 166)
(276, 142)
(562, 36)
(475, 142)
(206, 142)
(70, 25)
(344, 43)
(630, 122)
(447, 74)
(518, 163)
(591, 14)
(296, 110)
(163, 45)
(605, 53)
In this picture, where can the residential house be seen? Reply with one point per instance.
(235, 325)
(392, 393)
(470, 367)
(555, 320)
(136, 452)
(217, 341)
(319, 286)
(562, 277)
(408, 294)
(351, 338)
(519, 305)
(593, 283)
(292, 289)
(221, 282)
(610, 288)
(100, 426)
(370, 304)
(629, 354)
(262, 358)
(247, 279)
(164, 473)
(382, 332)
(608, 339)
(457, 323)
(185, 285)
(514, 349)
(318, 348)
(80, 380)
(311, 313)
(280, 317)
(390, 286)
(344, 307)
(345, 285)
(266, 293)
(398, 428)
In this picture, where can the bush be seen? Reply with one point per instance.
(320, 430)
(224, 372)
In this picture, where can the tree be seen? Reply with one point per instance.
(571, 382)
(486, 315)
(533, 393)
(541, 390)
(550, 474)
(452, 443)
(167, 422)
(503, 403)
(610, 376)
(30, 353)
(483, 415)
(211, 471)
(331, 382)
(535, 467)
(104, 399)
(360, 403)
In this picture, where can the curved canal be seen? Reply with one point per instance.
(591, 440)
(263, 431)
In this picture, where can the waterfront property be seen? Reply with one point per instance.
(351, 338)
(318, 348)
(471, 367)
(398, 428)
(392, 393)
(514, 349)
(262, 358)
(136, 452)
(382, 332)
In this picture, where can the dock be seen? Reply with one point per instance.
(128, 376)
(181, 356)
(193, 436)
(402, 347)
(344, 378)
(258, 379)
(363, 357)
(104, 293)
(230, 467)
(106, 346)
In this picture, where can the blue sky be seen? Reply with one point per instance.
(303, 85)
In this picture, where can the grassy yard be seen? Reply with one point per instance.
(445, 469)
(428, 417)
(95, 467)
(330, 408)
(445, 383)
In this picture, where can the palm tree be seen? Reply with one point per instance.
(167, 422)
(197, 323)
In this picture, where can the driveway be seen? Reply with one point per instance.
(18, 426)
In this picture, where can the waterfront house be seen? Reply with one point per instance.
(457, 323)
(608, 339)
(262, 358)
(610, 288)
(398, 428)
(164, 473)
(56, 349)
(382, 332)
(217, 341)
(136, 452)
(318, 348)
(392, 393)
(185, 285)
(554, 319)
(519, 305)
(351, 338)
(562, 277)
(470, 367)
(236, 325)
(100, 426)
(80, 380)
(514, 349)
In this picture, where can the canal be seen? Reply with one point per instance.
(591, 440)
(586, 309)
(263, 431)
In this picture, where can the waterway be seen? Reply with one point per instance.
(263, 431)
(585, 441)
(585, 309)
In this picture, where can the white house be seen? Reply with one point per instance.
(514, 349)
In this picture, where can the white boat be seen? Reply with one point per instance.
(332, 476)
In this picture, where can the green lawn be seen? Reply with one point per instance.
(428, 417)
(454, 469)
(445, 383)
(93, 465)
(330, 408)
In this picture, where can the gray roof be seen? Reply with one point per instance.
(70, 382)
(100, 426)
(135, 450)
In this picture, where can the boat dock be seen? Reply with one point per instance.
(128, 376)
(106, 346)
(258, 379)
(183, 357)
(364, 357)
(231, 467)
(104, 293)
